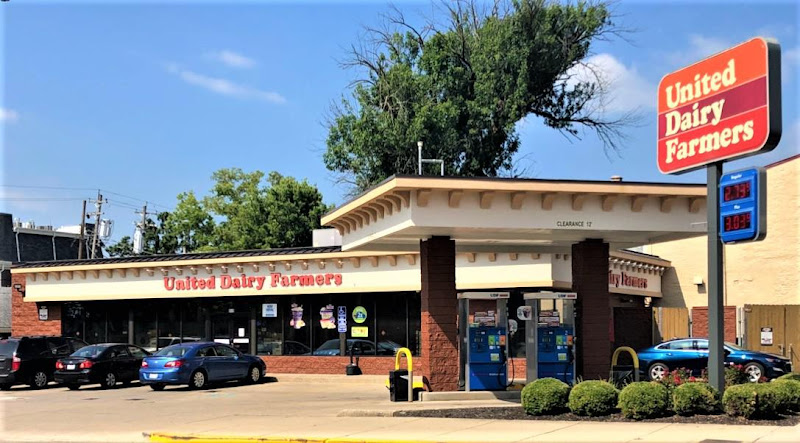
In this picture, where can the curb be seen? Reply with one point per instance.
(171, 438)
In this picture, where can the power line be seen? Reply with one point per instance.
(68, 188)
(65, 188)
(41, 198)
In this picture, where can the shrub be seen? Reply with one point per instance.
(695, 398)
(793, 376)
(593, 398)
(754, 400)
(545, 396)
(735, 375)
(788, 395)
(644, 400)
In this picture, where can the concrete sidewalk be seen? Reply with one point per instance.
(406, 429)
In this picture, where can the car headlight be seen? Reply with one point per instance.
(773, 360)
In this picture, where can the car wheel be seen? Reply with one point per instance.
(754, 371)
(253, 375)
(197, 380)
(39, 380)
(157, 387)
(5, 387)
(109, 381)
(657, 371)
(73, 387)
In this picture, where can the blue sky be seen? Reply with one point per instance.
(145, 100)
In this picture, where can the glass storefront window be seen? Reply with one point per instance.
(297, 324)
(391, 329)
(516, 341)
(194, 321)
(94, 323)
(117, 322)
(323, 325)
(169, 325)
(72, 320)
(144, 327)
(269, 328)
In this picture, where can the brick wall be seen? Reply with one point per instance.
(439, 332)
(285, 364)
(593, 322)
(700, 322)
(25, 315)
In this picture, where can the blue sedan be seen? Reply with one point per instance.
(196, 364)
(692, 354)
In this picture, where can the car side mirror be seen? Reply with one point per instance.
(727, 352)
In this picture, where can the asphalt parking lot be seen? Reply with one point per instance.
(123, 413)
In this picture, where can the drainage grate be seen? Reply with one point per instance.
(134, 399)
(91, 398)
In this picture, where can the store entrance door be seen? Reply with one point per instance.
(232, 329)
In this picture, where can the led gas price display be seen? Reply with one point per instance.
(742, 197)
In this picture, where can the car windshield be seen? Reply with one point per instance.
(330, 344)
(8, 347)
(89, 351)
(172, 351)
(734, 347)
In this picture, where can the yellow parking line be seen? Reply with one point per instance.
(172, 438)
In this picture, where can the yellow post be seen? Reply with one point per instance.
(635, 357)
(407, 353)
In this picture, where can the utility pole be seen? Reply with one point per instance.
(98, 204)
(83, 231)
(142, 226)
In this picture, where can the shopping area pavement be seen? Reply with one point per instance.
(307, 408)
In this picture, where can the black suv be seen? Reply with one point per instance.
(32, 360)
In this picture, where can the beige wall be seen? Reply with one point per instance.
(765, 272)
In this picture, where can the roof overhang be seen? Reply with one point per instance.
(515, 214)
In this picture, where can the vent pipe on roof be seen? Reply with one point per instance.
(616, 178)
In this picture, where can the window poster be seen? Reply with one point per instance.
(297, 316)
(326, 320)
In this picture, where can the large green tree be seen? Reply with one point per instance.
(463, 85)
(244, 210)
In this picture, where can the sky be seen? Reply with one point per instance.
(145, 100)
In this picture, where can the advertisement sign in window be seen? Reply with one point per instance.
(269, 310)
(360, 331)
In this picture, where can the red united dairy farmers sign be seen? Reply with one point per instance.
(723, 107)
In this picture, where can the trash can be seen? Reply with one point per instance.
(398, 385)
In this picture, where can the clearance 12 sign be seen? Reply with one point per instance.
(726, 106)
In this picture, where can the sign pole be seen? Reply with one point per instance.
(716, 317)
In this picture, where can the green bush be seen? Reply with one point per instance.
(793, 392)
(788, 395)
(545, 396)
(735, 375)
(644, 400)
(593, 398)
(695, 398)
(793, 376)
(755, 400)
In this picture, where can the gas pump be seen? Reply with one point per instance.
(550, 345)
(483, 352)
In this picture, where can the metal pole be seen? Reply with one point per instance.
(83, 231)
(716, 318)
(419, 156)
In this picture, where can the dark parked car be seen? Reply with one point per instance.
(32, 360)
(692, 354)
(197, 364)
(106, 364)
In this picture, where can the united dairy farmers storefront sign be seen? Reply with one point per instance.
(725, 106)
(257, 282)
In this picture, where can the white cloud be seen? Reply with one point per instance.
(700, 47)
(8, 115)
(232, 59)
(225, 87)
(625, 89)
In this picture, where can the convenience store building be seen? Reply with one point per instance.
(408, 246)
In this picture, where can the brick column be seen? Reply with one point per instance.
(25, 315)
(593, 322)
(439, 335)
